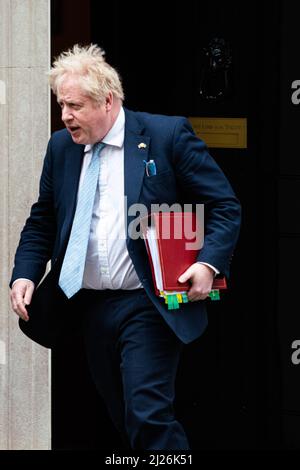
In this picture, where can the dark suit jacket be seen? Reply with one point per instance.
(186, 173)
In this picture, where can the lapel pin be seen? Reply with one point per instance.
(142, 145)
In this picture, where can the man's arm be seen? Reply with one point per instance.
(38, 235)
(204, 182)
(36, 244)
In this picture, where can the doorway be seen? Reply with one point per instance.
(231, 399)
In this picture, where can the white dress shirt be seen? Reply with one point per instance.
(108, 264)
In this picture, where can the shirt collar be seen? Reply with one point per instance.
(115, 135)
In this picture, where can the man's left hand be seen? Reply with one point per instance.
(201, 278)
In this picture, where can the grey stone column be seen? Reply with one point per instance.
(24, 131)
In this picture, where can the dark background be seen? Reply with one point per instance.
(237, 387)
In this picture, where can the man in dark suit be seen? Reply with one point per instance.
(80, 223)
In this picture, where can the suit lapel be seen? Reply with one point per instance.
(134, 156)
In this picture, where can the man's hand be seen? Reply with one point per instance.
(20, 296)
(201, 277)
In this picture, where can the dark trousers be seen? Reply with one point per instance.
(133, 357)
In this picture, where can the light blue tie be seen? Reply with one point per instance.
(71, 275)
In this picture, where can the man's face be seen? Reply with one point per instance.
(86, 120)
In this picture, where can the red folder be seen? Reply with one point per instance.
(169, 237)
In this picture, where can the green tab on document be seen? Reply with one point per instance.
(174, 299)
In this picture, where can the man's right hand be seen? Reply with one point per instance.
(20, 297)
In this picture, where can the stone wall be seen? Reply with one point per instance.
(24, 131)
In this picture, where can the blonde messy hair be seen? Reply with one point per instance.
(87, 63)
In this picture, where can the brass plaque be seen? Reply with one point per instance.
(221, 132)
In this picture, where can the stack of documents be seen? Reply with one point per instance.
(173, 241)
